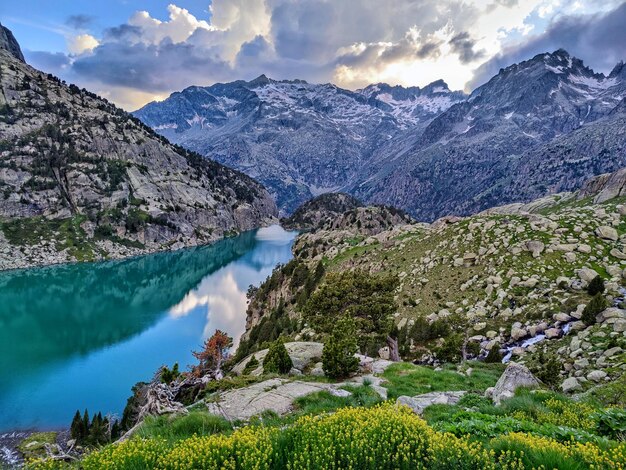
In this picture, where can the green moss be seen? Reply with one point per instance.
(34, 445)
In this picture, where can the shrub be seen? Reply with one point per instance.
(367, 298)
(251, 365)
(546, 368)
(494, 355)
(385, 436)
(277, 359)
(168, 376)
(596, 305)
(612, 423)
(173, 428)
(450, 350)
(596, 286)
(338, 359)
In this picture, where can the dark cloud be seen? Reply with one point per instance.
(79, 21)
(124, 32)
(429, 49)
(600, 40)
(51, 62)
(151, 68)
(463, 45)
(255, 48)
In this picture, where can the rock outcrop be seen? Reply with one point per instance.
(10, 44)
(514, 377)
(320, 211)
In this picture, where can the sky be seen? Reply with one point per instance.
(133, 52)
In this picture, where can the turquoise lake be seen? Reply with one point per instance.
(80, 336)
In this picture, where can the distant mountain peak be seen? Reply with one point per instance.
(619, 70)
(9, 43)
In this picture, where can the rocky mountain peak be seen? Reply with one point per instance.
(9, 43)
(619, 70)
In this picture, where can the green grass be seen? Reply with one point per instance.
(34, 445)
(407, 379)
(176, 428)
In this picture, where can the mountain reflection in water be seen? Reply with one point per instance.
(79, 336)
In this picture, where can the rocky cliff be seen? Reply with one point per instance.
(83, 180)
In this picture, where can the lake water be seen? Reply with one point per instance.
(79, 336)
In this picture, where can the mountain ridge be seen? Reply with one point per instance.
(84, 180)
(429, 150)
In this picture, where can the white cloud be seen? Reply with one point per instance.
(180, 26)
(81, 43)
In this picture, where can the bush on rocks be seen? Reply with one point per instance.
(277, 360)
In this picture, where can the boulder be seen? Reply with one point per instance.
(618, 254)
(515, 376)
(596, 375)
(420, 402)
(535, 247)
(552, 333)
(607, 233)
(586, 274)
(302, 354)
(571, 384)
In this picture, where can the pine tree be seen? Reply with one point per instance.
(494, 355)
(596, 305)
(77, 429)
(596, 286)
(86, 424)
(213, 355)
(277, 360)
(338, 359)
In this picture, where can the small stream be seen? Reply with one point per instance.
(565, 328)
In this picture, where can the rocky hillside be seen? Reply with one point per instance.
(83, 180)
(539, 127)
(516, 278)
(298, 139)
(319, 211)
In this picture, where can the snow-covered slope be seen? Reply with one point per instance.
(299, 139)
(430, 151)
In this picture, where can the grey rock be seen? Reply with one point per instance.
(514, 376)
(571, 384)
(420, 402)
(607, 233)
(596, 375)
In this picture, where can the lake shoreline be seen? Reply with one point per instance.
(12, 256)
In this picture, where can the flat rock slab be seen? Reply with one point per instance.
(275, 395)
(420, 402)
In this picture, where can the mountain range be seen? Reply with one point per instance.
(538, 127)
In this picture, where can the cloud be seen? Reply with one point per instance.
(52, 62)
(79, 21)
(349, 42)
(599, 39)
(463, 45)
(81, 43)
(151, 68)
